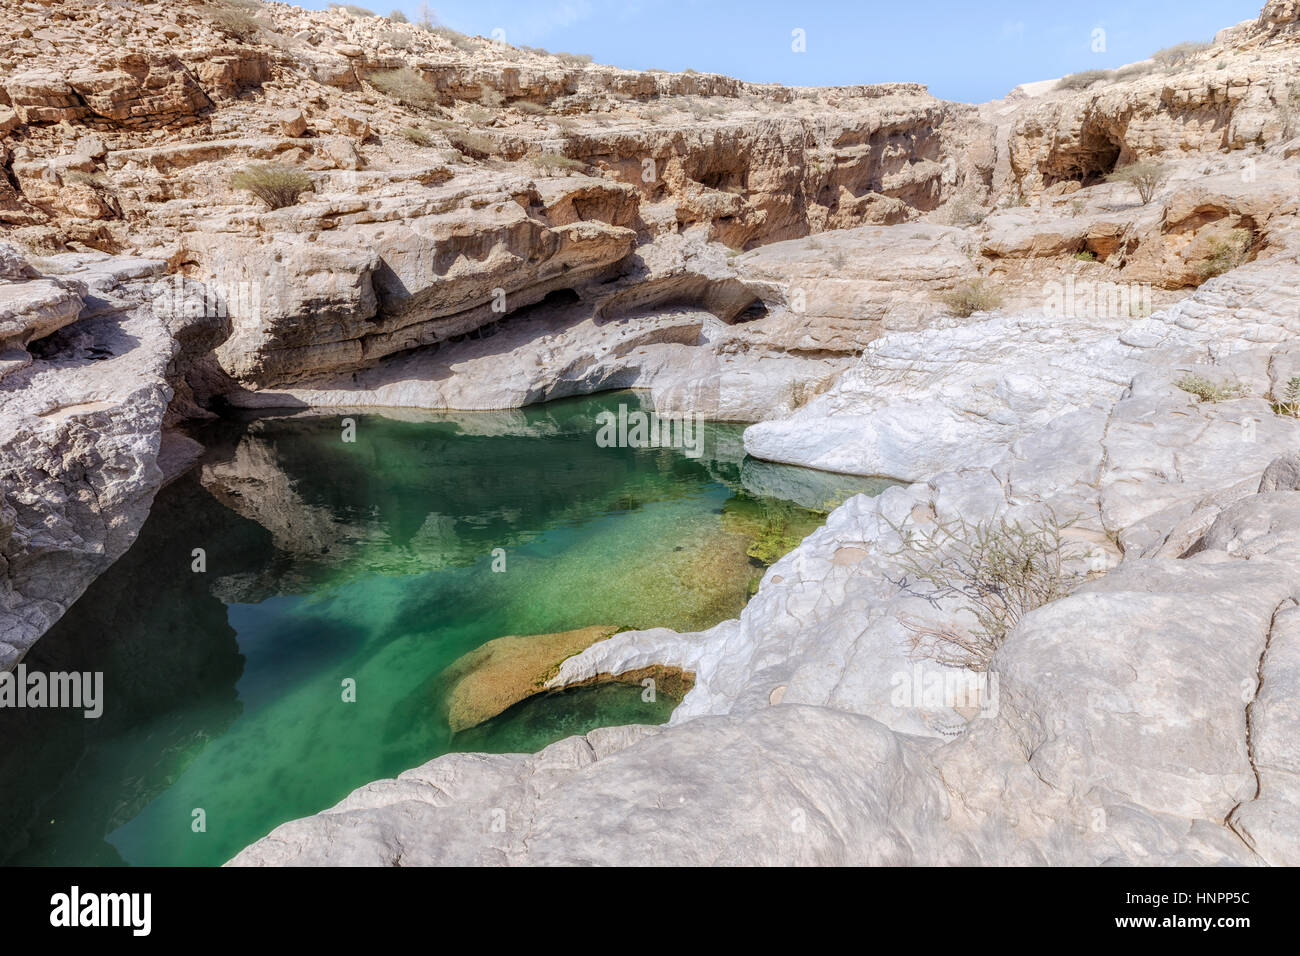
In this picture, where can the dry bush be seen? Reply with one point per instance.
(237, 19)
(1000, 569)
(1226, 253)
(1135, 70)
(407, 87)
(1146, 176)
(554, 162)
(474, 145)
(1083, 80)
(417, 136)
(459, 40)
(277, 186)
(1179, 53)
(352, 9)
(977, 295)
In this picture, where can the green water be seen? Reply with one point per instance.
(371, 562)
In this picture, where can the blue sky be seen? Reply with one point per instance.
(975, 50)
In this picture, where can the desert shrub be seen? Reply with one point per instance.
(1135, 70)
(235, 18)
(397, 16)
(352, 9)
(528, 107)
(478, 115)
(417, 136)
(964, 211)
(397, 39)
(971, 297)
(457, 39)
(474, 145)
(1226, 253)
(554, 162)
(1086, 255)
(1290, 112)
(1145, 176)
(490, 98)
(407, 87)
(575, 59)
(1000, 569)
(1206, 390)
(1083, 80)
(1179, 53)
(277, 186)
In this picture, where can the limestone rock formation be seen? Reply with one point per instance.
(84, 437)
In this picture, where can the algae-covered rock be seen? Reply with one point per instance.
(505, 671)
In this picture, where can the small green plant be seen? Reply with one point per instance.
(1206, 390)
(1290, 403)
(1077, 207)
(276, 186)
(407, 87)
(1226, 253)
(976, 295)
(1087, 255)
(1145, 176)
(1179, 53)
(1083, 80)
(999, 569)
(419, 137)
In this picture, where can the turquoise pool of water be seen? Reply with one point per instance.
(370, 562)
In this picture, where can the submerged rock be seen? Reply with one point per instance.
(505, 671)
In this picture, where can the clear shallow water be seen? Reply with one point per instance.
(371, 561)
